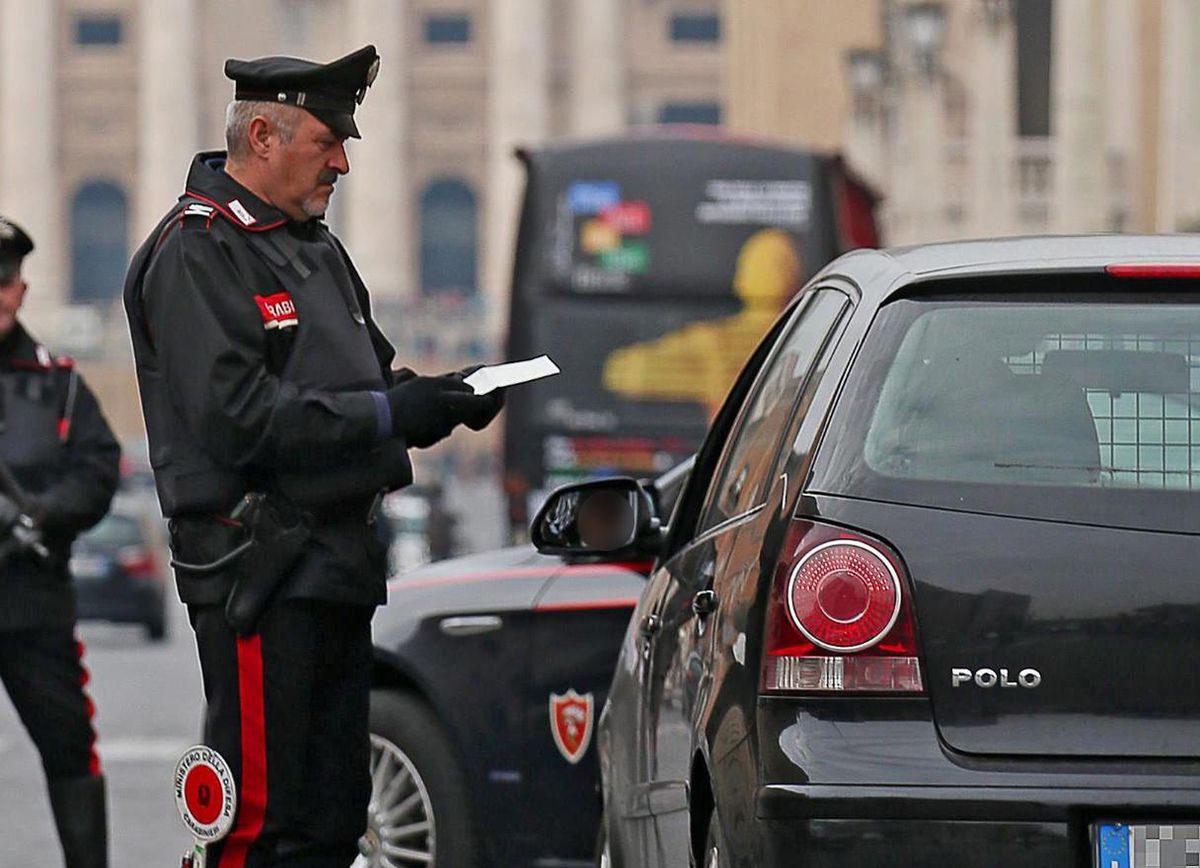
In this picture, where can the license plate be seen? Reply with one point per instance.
(88, 567)
(1147, 845)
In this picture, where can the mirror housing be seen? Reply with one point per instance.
(598, 517)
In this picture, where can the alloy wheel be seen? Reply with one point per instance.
(400, 822)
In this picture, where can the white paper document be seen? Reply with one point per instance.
(498, 376)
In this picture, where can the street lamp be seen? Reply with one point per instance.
(925, 24)
(995, 12)
(865, 72)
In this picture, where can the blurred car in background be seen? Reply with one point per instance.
(489, 672)
(120, 567)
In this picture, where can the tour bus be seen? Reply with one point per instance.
(647, 267)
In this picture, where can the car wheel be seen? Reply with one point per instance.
(156, 629)
(418, 814)
(603, 853)
(715, 854)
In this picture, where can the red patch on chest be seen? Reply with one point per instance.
(278, 310)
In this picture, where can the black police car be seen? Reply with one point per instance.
(930, 595)
(489, 673)
(119, 568)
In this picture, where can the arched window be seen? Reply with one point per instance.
(99, 241)
(448, 238)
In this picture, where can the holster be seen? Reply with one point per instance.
(272, 539)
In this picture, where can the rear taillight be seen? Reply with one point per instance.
(839, 619)
(138, 562)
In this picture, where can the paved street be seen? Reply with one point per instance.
(147, 711)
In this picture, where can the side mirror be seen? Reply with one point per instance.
(603, 516)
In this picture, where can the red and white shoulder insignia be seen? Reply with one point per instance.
(278, 310)
(571, 719)
(65, 362)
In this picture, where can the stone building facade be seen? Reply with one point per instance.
(103, 102)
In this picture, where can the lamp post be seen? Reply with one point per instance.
(925, 30)
(996, 12)
(867, 74)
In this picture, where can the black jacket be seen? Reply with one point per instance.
(260, 368)
(60, 449)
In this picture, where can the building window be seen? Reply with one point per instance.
(447, 29)
(695, 28)
(448, 238)
(99, 241)
(690, 113)
(1034, 41)
(92, 30)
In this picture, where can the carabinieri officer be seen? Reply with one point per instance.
(63, 463)
(275, 422)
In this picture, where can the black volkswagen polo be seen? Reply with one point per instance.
(931, 596)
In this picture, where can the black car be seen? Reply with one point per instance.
(489, 672)
(930, 596)
(119, 568)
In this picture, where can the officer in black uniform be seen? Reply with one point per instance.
(262, 373)
(59, 466)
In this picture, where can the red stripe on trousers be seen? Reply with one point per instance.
(252, 807)
(84, 678)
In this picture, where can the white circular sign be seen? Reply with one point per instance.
(205, 793)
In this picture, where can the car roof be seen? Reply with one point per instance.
(882, 273)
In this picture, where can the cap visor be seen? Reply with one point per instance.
(341, 123)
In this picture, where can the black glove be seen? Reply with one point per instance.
(482, 409)
(426, 409)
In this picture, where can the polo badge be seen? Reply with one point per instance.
(278, 310)
(571, 723)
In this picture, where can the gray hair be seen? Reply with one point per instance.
(240, 113)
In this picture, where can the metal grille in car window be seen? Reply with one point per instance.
(1147, 439)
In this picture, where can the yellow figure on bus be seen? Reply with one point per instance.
(699, 361)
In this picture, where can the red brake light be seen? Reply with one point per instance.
(1154, 270)
(839, 619)
(843, 595)
(138, 562)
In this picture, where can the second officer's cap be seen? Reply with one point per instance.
(329, 91)
(15, 245)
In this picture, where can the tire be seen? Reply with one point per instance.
(715, 854)
(603, 856)
(156, 629)
(411, 756)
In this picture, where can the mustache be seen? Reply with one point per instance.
(327, 176)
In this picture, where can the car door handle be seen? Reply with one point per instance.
(704, 603)
(470, 625)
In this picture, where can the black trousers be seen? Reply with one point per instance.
(42, 670)
(287, 709)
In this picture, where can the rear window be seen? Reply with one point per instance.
(1080, 408)
(115, 530)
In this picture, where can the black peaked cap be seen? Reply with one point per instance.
(15, 245)
(329, 91)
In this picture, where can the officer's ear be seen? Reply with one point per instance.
(262, 135)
